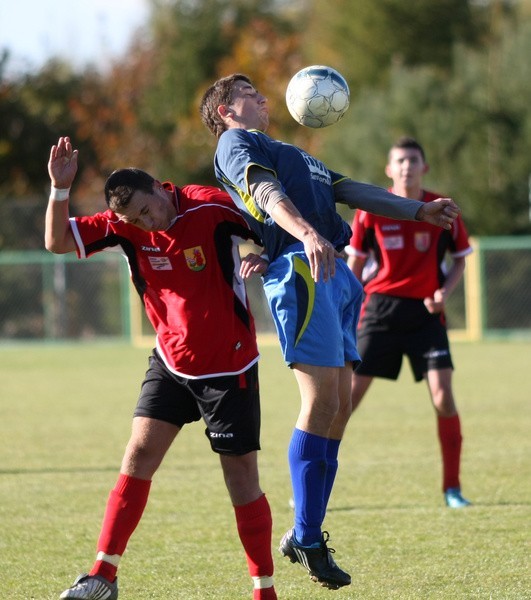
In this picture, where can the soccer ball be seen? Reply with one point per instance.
(317, 96)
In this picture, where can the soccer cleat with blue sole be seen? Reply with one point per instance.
(454, 499)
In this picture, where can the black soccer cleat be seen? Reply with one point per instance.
(318, 561)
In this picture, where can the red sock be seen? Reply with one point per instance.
(125, 507)
(255, 525)
(449, 429)
(265, 594)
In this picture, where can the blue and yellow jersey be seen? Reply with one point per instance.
(304, 179)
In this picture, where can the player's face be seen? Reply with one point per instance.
(150, 212)
(406, 168)
(249, 108)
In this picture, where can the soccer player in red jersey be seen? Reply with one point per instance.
(181, 247)
(406, 286)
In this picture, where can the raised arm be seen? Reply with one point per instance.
(62, 168)
(373, 199)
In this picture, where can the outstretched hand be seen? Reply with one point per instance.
(441, 212)
(62, 166)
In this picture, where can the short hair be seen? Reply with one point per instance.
(408, 142)
(217, 94)
(123, 183)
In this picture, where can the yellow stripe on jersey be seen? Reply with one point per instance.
(248, 201)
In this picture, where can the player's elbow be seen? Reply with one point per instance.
(54, 245)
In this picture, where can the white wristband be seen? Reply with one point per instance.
(59, 194)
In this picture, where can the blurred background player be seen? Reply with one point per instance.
(406, 289)
(183, 258)
(289, 199)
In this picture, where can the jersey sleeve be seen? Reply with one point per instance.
(238, 150)
(94, 233)
(337, 177)
(461, 240)
(358, 242)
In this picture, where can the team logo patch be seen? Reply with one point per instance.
(160, 263)
(422, 241)
(195, 259)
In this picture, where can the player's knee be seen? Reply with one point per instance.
(444, 403)
(326, 410)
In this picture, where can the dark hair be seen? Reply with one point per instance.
(217, 94)
(123, 183)
(409, 142)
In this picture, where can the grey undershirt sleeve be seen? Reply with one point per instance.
(267, 192)
(265, 189)
(375, 200)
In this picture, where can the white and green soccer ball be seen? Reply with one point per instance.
(317, 96)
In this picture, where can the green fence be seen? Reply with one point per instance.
(50, 297)
(46, 297)
(498, 288)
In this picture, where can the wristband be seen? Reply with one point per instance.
(59, 194)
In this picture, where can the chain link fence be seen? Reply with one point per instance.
(46, 297)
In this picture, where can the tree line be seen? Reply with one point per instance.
(454, 73)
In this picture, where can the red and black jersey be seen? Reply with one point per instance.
(408, 255)
(188, 279)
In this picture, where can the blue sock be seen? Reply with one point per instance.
(307, 462)
(332, 450)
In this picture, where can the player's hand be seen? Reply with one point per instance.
(62, 166)
(321, 256)
(441, 212)
(251, 264)
(435, 305)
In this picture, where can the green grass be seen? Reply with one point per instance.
(65, 419)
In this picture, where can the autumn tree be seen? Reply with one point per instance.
(474, 122)
(364, 38)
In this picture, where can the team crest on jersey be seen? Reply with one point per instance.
(422, 241)
(195, 259)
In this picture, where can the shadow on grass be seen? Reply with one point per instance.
(372, 507)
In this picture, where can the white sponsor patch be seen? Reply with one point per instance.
(160, 263)
(393, 242)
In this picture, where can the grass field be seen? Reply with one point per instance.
(65, 419)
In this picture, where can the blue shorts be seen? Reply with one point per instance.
(316, 322)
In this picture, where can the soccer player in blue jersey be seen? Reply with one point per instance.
(288, 198)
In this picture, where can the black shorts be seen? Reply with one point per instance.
(392, 327)
(229, 405)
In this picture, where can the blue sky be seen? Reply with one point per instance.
(82, 31)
